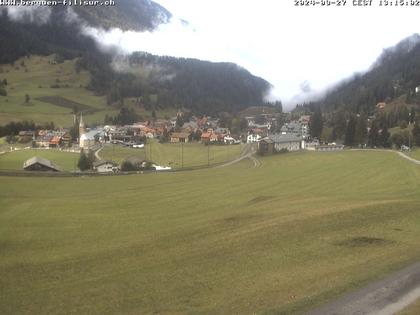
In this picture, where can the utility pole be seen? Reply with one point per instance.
(208, 154)
(409, 131)
(151, 148)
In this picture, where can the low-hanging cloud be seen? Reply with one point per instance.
(32, 14)
(273, 39)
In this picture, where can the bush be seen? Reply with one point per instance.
(127, 166)
(85, 161)
(3, 91)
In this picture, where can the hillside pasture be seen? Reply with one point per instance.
(44, 80)
(279, 239)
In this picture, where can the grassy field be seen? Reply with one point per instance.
(415, 153)
(174, 155)
(37, 77)
(66, 161)
(413, 309)
(300, 230)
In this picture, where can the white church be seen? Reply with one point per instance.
(86, 139)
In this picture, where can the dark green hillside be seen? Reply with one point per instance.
(155, 82)
(204, 87)
(395, 73)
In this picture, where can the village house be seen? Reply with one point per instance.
(179, 137)
(205, 137)
(26, 136)
(289, 142)
(39, 164)
(296, 128)
(105, 166)
(265, 146)
(43, 139)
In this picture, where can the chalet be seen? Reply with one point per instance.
(26, 136)
(289, 142)
(293, 127)
(265, 146)
(305, 119)
(44, 140)
(55, 142)
(179, 137)
(205, 137)
(39, 164)
(104, 166)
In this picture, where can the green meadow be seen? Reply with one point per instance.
(278, 239)
(415, 153)
(66, 161)
(413, 309)
(175, 155)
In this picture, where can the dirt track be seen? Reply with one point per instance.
(385, 297)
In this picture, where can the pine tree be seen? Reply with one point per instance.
(384, 138)
(416, 134)
(373, 138)
(85, 161)
(316, 123)
(412, 115)
(361, 130)
(350, 131)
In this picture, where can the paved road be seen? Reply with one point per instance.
(385, 297)
(97, 153)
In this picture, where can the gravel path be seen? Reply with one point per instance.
(385, 297)
(247, 153)
(402, 154)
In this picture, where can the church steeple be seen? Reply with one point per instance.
(81, 126)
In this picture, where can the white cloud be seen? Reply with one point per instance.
(284, 44)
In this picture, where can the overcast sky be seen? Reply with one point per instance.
(274, 39)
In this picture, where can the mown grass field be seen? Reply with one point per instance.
(36, 75)
(298, 231)
(66, 161)
(413, 309)
(175, 155)
(415, 153)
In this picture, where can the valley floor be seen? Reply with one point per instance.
(283, 238)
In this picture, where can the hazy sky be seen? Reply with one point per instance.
(274, 39)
